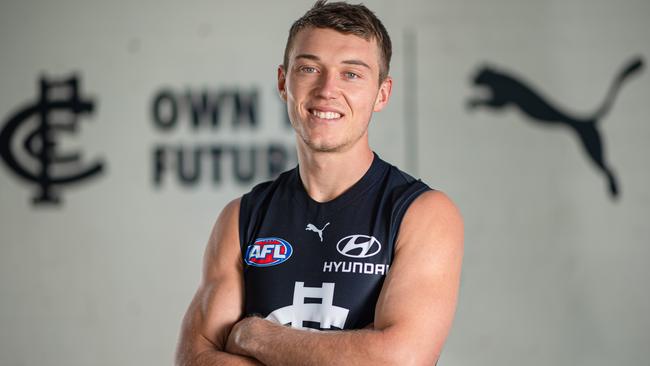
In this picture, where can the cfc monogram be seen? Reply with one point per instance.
(56, 113)
(325, 313)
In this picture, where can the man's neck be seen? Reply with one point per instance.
(327, 175)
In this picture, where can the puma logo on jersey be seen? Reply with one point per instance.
(267, 252)
(312, 227)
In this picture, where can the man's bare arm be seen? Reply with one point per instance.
(413, 314)
(218, 303)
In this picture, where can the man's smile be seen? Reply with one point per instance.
(325, 114)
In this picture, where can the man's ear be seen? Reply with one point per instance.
(282, 83)
(383, 95)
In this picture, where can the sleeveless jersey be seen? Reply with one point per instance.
(322, 265)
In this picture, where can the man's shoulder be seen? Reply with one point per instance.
(437, 200)
(403, 185)
(262, 193)
(263, 187)
(396, 174)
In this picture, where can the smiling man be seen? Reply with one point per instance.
(345, 243)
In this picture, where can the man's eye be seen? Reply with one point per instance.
(351, 75)
(308, 69)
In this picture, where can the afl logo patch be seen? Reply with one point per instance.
(266, 252)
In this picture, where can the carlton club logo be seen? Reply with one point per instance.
(35, 130)
(302, 314)
(505, 89)
(266, 252)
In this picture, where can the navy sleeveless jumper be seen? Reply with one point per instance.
(321, 265)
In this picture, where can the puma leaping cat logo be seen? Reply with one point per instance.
(508, 89)
(311, 227)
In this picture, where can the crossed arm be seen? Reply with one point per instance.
(219, 300)
(412, 317)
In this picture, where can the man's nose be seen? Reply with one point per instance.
(328, 85)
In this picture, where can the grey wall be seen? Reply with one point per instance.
(555, 269)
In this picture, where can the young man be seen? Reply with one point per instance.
(345, 243)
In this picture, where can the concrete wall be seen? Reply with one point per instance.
(555, 269)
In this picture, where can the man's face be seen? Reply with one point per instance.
(332, 87)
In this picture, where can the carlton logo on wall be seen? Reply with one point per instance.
(29, 139)
(506, 89)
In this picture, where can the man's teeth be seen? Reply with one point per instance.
(326, 115)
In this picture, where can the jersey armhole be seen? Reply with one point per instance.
(244, 218)
(402, 204)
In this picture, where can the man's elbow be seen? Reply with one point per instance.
(185, 355)
(409, 350)
(190, 353)
(409, 356)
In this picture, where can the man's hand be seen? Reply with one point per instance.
(243, 334)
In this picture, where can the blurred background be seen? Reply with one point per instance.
(125, 127)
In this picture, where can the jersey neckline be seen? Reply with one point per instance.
(377, 168)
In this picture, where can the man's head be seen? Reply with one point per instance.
(347, 19)
(335, 76)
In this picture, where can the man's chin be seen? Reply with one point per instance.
(324, 147)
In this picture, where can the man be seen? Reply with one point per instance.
(345, 243)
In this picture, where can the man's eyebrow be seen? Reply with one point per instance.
(308, 57)
(348, 62)
(356, 62)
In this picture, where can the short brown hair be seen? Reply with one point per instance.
(347, 19)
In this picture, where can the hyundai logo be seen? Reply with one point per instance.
(358, 246)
